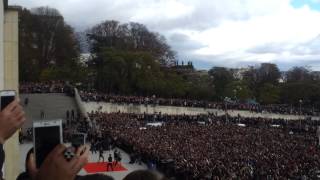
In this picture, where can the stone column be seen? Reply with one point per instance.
(11, 72)
(1, 45)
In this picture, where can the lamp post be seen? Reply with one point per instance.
(226, 107)
(300, 113)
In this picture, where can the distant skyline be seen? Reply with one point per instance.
(232, 33)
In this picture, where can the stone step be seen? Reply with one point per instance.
(54, 106)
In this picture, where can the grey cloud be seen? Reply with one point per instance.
(274, 48)
(311, 47)
(83, 13)
(313, 62)
(179, 37)
(216, 60)
(206, 14)
(183, 43)
(283, 62)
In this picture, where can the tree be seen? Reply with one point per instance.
(298, 74)
(29, 69)
(125, 72)
(257, 77)
(268, 73)
(251, 78)
(199, 86)
(46, 43)
(265, 73)
(130, 59)
(130, 72)
(221, 77)
(239, 90)
(130, 37)
(309, 92)
(269, 94)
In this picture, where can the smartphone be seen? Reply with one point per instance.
(78, 139)
(6, 97)
(46, 136)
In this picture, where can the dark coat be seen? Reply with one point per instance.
(1, 160)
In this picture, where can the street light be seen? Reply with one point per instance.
(300, 113)
(226, 107)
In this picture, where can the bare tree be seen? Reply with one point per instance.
(132, 37)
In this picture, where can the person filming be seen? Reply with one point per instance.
(12, 118)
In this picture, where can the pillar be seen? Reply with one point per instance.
(11, 72)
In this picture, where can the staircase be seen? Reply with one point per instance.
(53, 105)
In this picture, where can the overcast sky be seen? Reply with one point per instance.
(233, 33)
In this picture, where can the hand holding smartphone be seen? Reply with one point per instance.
(77, 140)
(11, 115)
(6, 97)
(46, 136)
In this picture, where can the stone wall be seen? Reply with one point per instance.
(80, 104)
(110, 107)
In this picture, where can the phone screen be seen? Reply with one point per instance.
(5, 101)
(46, 139)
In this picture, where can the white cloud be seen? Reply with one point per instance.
(168, 10)
(289, 27)
(224, 32)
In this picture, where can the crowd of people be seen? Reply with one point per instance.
(218, 148)
(44, 87)
(63, 87)
(199, 146)
(153, 100)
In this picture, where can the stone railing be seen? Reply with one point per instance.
(150, 109)
(81, 105)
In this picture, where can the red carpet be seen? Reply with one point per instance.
(99, 167)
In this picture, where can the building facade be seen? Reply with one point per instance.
(9, 72)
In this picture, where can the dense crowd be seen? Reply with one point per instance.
(218, 148)
(201, 146)
(43, 87)
(62, 87)
(153, 100)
